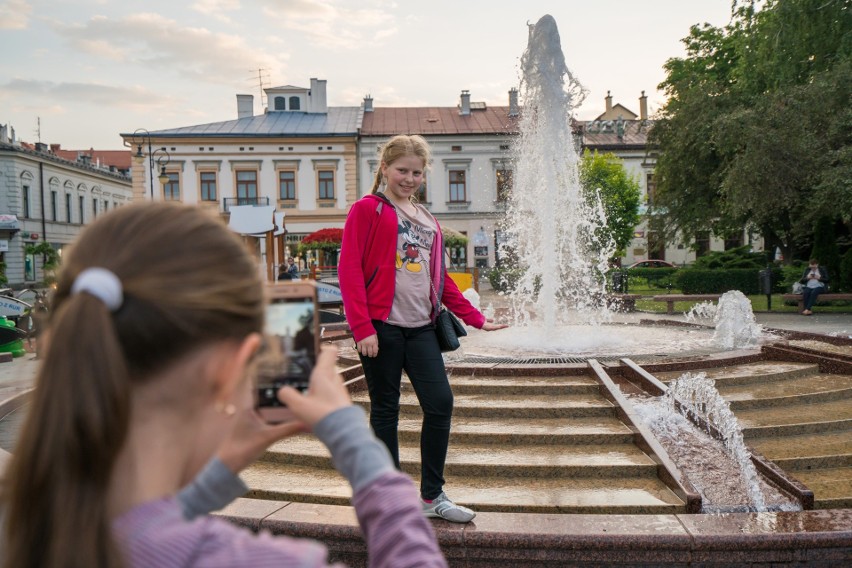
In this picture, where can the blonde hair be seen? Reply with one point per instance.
(398, 147)
(188, 282)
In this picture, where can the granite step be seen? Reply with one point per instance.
(496, 385)
(834, 411)
(511, 406)
(585, 460)
(781, 431)
(582, 430)
(832, 486)
(798, 399)
(751, 373)
(810, 388)
(307, 484)
(819, 445)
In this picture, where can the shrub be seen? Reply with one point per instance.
(740, 257)
(503, 279)
(719, 281)
(656, 277)
(844, 274)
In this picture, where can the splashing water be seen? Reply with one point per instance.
(733, 319)
(698, 396)
(553, 229)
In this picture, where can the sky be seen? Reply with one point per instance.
(91, 69)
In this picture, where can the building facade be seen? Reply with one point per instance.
(298, 157)
(46, 198)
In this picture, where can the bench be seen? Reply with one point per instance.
(827, 297)
(670, 299)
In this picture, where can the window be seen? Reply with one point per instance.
(458, 187)
(504, 185)
(657, 246)
(650, 189)
(94, 208)
(325, 182)
(106, 205)
(280, 103)
(82, 205)
(421, 195)
(287, 185)
(25, 204)
(733, 241)
(208, 186)
(171, 189)
(246, 187)
(53, 199)
(294, 103)
(68, 207)
(702, 243)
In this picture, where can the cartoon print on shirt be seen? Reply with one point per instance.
(410, 257)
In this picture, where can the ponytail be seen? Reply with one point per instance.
(76, 426)
(377, 182)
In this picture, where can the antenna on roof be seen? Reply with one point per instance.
(262, 78)
(38, 129)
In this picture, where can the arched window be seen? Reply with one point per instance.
(26, 184)
(294, 103)
(280, 103)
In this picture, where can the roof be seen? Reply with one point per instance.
(286, 88)
(121, 159)
(617, 110)
(28, 150)
(338, 121)
(388, 121)
(595, 135)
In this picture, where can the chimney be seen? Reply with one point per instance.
(41, 147)
(4, 136)
(317, 101)
(513, 102)
(608, 100)
(54, 148)
(368, 104)
(464, 109)
(643, 107)
(84, 158)
(245, 106)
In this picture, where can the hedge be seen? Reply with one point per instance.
(719, 281)
(656, 277)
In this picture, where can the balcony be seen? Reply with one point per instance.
(228, 202)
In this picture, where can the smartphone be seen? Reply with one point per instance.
(291, 344)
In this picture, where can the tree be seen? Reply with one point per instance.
(50, 259)
(605, 175)
(756, 131)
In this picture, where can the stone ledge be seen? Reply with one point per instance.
(821, 537)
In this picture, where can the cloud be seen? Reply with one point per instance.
(38, 92)
(14, 14)
(157, 42)
(217, 8)
(328, 25)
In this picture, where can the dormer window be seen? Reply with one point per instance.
(280, 103)
(294, 103)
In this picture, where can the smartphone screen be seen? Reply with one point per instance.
(290, 346)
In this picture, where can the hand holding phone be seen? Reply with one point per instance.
(326, 394)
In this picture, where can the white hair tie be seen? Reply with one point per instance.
(102, 284)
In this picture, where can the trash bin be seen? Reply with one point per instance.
(619, 282)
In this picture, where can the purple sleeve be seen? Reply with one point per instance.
(397, 533)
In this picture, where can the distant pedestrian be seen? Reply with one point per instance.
(292, 268)
(814, 282)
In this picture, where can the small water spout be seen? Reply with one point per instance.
(697, 395)
(733, 318)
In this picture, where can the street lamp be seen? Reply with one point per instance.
(159, 156)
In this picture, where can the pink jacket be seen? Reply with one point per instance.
(367, 269)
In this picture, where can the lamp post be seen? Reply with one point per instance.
(159, 156)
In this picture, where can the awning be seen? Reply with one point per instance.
(251, 219)
(9, 223)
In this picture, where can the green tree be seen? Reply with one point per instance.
(757, 128)
(50, 259)
(604, 174)
(825, 246)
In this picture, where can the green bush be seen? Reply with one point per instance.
(655, 277)
(740, 257)
(503, 279)
(719, 281)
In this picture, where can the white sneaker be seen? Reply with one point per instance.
(442, 508)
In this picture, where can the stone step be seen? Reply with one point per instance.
(820, 444)
(832, 486)
(761, 372)
(498, 385)
(510, 494)
(818, 412)
(595, 430)
(795, 429)
(511, 406)
(814, 462)
(810, 385)
(585, 460)
(799, 399)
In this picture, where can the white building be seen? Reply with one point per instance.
(45, 198)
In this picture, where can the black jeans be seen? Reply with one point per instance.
(416, 351)
(809, 295)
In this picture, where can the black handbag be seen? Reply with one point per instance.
(448, 328)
